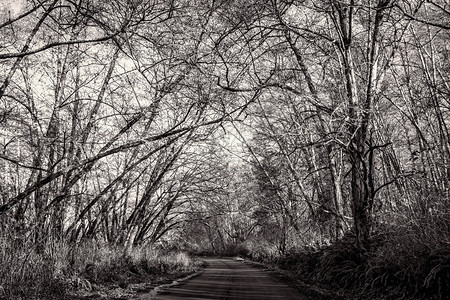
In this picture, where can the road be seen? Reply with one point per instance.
(230, 279)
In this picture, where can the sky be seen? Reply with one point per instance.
(14, 6)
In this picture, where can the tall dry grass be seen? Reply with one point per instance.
(410, 260)
(63, 268)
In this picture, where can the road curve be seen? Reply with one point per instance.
(230, 279)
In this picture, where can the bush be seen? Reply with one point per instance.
(413, 259)
(404, 262)
(62, 268)
(110, 266)
(25, 273)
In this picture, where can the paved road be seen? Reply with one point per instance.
(231, 279)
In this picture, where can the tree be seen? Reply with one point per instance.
(122, 96)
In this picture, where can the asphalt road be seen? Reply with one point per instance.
(230, 279)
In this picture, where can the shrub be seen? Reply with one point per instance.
(403, 262)
(61, 268)
(25, 273)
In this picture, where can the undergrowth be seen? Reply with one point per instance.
(62, 269)
(411, 261)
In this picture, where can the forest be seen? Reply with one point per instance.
(309, 135)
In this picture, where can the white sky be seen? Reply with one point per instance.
(14, 6)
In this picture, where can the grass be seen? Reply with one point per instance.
(409, 261)
(90, 269)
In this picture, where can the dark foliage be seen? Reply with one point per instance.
(391, 269)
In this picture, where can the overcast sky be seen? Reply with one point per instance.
(14, 6)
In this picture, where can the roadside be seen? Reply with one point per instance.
(91, 271)
(133, 278)
(113, 291)
(316, 291)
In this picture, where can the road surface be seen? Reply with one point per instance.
(230, 279)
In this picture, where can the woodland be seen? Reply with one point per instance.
(309, 135)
